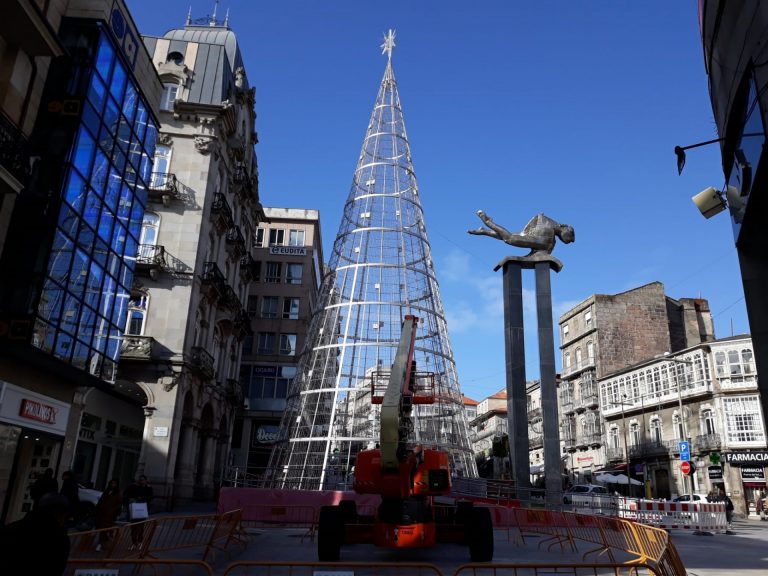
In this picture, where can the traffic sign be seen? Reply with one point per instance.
(685, 451)
(685, 467)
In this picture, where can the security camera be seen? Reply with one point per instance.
(709, 202)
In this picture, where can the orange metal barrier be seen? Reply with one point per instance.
(209, 532)
(131, 567)
(613, 569)
(310, 568)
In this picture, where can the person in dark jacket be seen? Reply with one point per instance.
(107, 510)
(71, 491)
(42, 486)
(138, 492)
(38, 543)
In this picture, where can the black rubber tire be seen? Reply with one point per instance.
(329, 534)
(463, 512)
(480, 535)
(348, 510)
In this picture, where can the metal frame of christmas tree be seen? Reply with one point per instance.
(380, 269)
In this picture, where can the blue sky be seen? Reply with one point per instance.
(563, 107)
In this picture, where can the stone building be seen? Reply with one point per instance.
(283, 294)
(187, 317)
(79, 98)
(706, 394)
(606, 333)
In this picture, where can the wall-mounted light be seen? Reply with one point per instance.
(710, 202)
(680, 152)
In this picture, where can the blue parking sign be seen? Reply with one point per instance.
(685, 451)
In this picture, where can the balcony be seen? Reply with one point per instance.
(233, 391)
(136, 348)
(535, 441)
(235, 244)
(249, 269)
(570, 443)
(163, 187)
(707, 442)
(14, 155)
(588, 399)
(242, 325)
(590, 440)
(566, 405)
(221, 213)
(575, 367)
(228, 298)
(243, 184)
(201, 362)
(150, 260)
(614, 454)
(534, 412)
(213, 280)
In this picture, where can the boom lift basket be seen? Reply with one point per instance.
(423, 390)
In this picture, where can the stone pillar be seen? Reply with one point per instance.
(149, 411)
(514, 348)
(184, 474)
(79, 398)
(553, 467)
(209, 454)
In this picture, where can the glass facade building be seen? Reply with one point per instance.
(83, 305)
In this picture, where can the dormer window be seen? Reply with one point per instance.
(170, 91)
(176, 57)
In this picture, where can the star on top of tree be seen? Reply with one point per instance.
(389, 43)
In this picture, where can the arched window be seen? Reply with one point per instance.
(634, 433)
(170, 93)
(175, 57)
(148, 239)
(720, 363)
(707, 421)
(733, 361)
(161, 165)
(567, 359)
(590, 350)
(747, 361)
(578, 357)
(677, 425)
(614, 437)
(656, 429)
(137, 315)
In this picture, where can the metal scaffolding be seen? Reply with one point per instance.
(380, 269)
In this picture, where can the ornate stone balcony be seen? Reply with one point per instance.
(163, 187)
(221, 213)
(150, 260)
(136, 348)
(201, 362)
(707, 442)
(235, 243)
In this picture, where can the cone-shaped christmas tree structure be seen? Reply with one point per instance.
(380, 269)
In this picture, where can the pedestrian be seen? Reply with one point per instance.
(70, 489)
(728, 507)
(759, 504)
(42, 486)
(140, 492)
(38, 543)
(107, 510)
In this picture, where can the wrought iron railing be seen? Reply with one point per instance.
(151, 255)
(201, 361)
(163, 182)
(706, 442)
(220, 210)
(614, 454)
(14, 150)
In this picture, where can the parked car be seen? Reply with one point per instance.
(584, 493)
(700, 498)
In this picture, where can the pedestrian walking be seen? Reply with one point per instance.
(107, 511)
(728, 507)
(42, 486)
(38, 543)
(70, 489)
(140, 492)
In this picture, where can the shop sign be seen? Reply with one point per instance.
(584, 459)
(266, 434)
(160, 431)
(35, 410)
(265, 370)
(738, 458)
(753, 473)
(27, 409)
(287, 251)
(715, 472)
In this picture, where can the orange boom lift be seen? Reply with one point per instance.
(408, 480)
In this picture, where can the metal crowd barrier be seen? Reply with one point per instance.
(131, 567)
(250, 568)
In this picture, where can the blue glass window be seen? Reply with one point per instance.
(113, 347)
(91, 119)
(70, 313)
(84, 152)
(140, 125)
(92, 209)
(106, 141)
(149, 139)
(80, 356)
(119, 160)
(131, 249)
(100, 171)
(107, 296)
(119, 237)
(100, 253)
(79, 273)
(105, 58)
(146, 168)
(124, 206)
(61, 257)
(137, 216)
(64, 344)
(68, 221)
(87, 324)
(50, 301)
(123, 134)
(97, 94)
(111, 116)
(113, 190)
(74, 191)
(117, 86)
(129, 103)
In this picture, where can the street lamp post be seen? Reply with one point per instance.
(682, 418)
